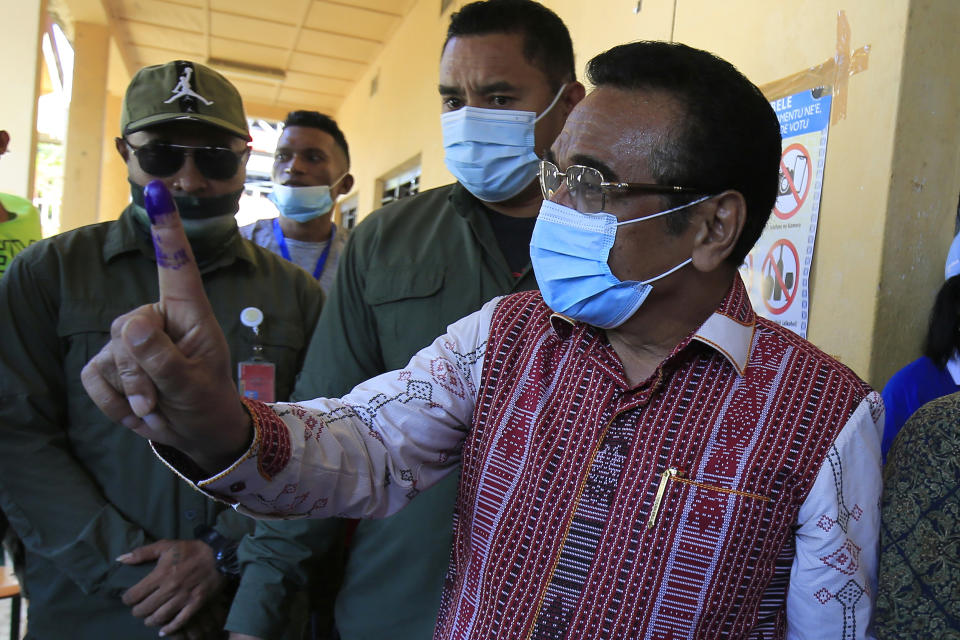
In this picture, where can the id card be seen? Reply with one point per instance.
(256, 380)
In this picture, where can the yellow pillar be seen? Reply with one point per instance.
(924, 182)
(21, 63)
(81, 180)
(114, 188)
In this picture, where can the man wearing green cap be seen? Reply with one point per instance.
(113, 546)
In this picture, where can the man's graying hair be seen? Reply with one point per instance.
(728, 136)
(546, 41)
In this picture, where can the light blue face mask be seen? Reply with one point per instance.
(491, 151)
(303, 204)
(569, 252)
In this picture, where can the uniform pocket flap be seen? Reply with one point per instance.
(395, 283)
(78, 318)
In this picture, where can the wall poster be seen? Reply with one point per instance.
(777, 270)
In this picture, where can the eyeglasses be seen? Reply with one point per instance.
(163, 159)
(588, 190)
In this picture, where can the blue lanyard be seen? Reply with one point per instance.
(285, 252)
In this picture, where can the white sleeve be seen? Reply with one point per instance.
(833, 581)
(367, 454)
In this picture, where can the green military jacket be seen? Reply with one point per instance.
(409, 270)
(77, 489)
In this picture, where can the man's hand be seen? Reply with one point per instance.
(165, 373)
(184, 582)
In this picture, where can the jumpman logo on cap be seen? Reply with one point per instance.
(183, 90)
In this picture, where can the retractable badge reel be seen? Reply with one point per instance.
(256, 376)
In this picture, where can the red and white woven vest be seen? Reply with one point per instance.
(713, 563)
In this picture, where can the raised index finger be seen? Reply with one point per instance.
(182, 298)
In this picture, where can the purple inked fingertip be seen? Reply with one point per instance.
(157, 200)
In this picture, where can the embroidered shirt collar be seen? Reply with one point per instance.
(562, 325)
(730, 329)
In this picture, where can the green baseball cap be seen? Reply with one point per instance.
(182, 90)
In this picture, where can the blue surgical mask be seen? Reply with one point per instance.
(303, 204)
(569, 252)
(491, 151)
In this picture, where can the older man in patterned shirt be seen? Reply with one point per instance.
(642, 456)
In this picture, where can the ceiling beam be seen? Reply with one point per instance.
(119, 37)
(265, 111)
(359, 8)
(92, 11)
(97, 12)
(293, 43)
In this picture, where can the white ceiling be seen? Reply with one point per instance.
(279, 53)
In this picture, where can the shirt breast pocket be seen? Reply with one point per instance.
(716, 539)
(408, 309)
(705, 512)
(83, 331)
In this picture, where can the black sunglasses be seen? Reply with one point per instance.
(163, 159)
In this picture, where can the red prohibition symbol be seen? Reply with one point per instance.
(795, 173)
(781, 277)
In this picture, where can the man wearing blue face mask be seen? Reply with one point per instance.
(310, 171)
(640, 454)
(507, 83)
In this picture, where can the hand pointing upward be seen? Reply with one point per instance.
(165, 373)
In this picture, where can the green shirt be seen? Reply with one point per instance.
(409, 270)
(77, 489)
(20, 231)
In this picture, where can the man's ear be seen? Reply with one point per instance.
(346, 184)
(573, 93)
(719, 223)
(122, 148)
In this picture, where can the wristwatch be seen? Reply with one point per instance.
(224, 550)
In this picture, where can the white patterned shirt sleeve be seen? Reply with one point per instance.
(833, 581)
(367, 454)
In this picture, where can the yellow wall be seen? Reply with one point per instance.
(402, 119)
(771, 44)
(20, 69)
(880, 243)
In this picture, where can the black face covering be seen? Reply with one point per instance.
(193, 208)
(209, 223)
